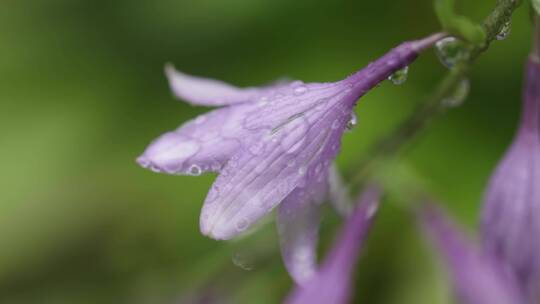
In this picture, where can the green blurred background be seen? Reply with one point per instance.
(82, 92)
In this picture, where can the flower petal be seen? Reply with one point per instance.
(270, 167)
(210, 92)
(478, 278)
(200, 145)
(338, 194)
(511, 214)
(332, 284)
(297, 98)
(298, 220)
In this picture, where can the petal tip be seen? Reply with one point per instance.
(208, 228)
(146, 163)
(214, 234)
(169, 69)
(143, 161)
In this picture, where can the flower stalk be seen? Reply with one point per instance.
(410, 128)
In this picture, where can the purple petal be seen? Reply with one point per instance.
(298, 221)
(332, 284)
(210, 92)
(271, 166)
(304, 124)
(338, 193)
(295, 99)
(200, 145)
(478, 278)
(511, 214)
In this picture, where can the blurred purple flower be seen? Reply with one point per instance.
(478, 277)
(332, 283)
(511, 215)
(271, 146)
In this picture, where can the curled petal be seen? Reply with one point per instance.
(332, 283)
(338, 194)
(298, 221)
(203, 144)
(478, 278)
(268, 168)
(211, 92)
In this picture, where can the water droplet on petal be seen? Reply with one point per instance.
(143, 161)
(256, 148)
(263, 101)
(154, 168)
(300, 90)
(335, 124)
(216, 166)
(283, 188)
(302, 254)
(505, 31)
(392, 61)
(195, 170)
(352, 122)
(296, 83)
(399, 76)
(371, 211)
(295, 135)
(452, 51)
(458, 95)
(302, 170)
(242, 261)
(241, 224)
(233, 163)
(321, 104)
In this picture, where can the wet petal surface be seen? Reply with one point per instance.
(210, 92)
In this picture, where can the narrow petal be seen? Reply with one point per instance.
(332, 284)
(200, 145)
(210, 92)
(478, 278)
(338, 194)
(267, 169)
(298, 220)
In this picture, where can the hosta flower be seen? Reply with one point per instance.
(271, 146)
(478, 277)
(511, 215)
(332, 282)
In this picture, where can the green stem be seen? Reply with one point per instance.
(427, 111)
(498, 17)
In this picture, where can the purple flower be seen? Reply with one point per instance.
(511, 215)
(332, 283)
(271, 146)
(478, 277)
